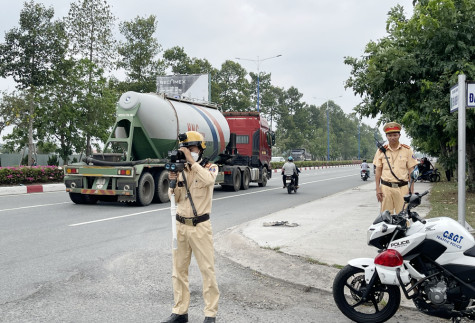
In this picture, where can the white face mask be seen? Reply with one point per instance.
(195, 156)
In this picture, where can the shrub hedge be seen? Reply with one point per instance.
(44, 174)
(311, 163)
(29, 175)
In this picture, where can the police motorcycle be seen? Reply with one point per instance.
(364, 174)
(432, 261)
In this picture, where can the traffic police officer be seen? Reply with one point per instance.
(392, 173)
(193, 196)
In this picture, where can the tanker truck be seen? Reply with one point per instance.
(131, 167)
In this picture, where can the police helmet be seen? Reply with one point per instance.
(192, 138)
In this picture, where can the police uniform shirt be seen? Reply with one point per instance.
(401, 159)
(200, 181)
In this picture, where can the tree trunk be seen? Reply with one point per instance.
(30, 128)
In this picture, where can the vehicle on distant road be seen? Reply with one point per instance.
(300, 154)
(277, 159)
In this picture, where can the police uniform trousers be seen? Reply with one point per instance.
(199, 241)
(393, 199)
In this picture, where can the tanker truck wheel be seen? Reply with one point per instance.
(161, 187)
(236, 179)
(145, 190)
(89, 199)
(245, 179)
(263, 183)
(76, 198)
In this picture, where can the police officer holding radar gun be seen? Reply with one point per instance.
(394, 163)
(192, 181)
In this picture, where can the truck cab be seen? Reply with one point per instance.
(254, 139)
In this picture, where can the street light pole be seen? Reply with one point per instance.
(258, 61)
(359, 140)
(328, 134)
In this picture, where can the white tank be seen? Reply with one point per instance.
(163, 119)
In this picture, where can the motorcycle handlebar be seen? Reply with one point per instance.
(416, 217)
(423, 194)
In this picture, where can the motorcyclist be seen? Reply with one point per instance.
(365, 167)
(425, 165)
(290, 168)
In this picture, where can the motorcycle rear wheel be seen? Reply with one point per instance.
(348, 288)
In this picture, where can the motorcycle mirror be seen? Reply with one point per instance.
(415, 174)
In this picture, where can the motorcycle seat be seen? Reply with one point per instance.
(470, 252)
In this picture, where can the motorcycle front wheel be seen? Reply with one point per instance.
(348, 288)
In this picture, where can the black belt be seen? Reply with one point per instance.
(194, 220)
(393, 185)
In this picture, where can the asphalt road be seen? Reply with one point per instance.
(62, 262)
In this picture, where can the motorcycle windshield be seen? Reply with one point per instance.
(383, 217)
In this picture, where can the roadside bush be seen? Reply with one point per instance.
(29, 175)
(53, 160)
(315, 163)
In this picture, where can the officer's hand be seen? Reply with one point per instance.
(187, 153)
(379, 196)
(172, 176)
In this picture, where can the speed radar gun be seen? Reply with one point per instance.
(176, 165)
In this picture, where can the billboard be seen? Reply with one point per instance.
(192, 87)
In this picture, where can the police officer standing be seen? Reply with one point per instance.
(193, 195)
(393, 169)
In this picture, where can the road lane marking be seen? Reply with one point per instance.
(32, 206)
(118, 217)
(214, 199)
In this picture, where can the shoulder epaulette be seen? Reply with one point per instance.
(386, 146)
(405, 146)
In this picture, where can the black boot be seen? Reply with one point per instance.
(209, 319)
(177, 318)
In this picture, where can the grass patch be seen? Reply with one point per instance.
(318, 262)
(276, 249)
(444, 202)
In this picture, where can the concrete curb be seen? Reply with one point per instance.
(329, 234)
(26, 189)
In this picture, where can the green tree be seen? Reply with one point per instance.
(14, 108)
(180, 63)
(292, 121)
(90, 24)
(139, 54)
(27, 55)
(406, 76)
(65, 107)
(232, 87)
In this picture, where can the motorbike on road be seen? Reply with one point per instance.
(432, 261)
(364, 174)
(290, 184)
(432, 175)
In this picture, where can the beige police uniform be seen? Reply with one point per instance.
(195, 239)
(402, 160)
